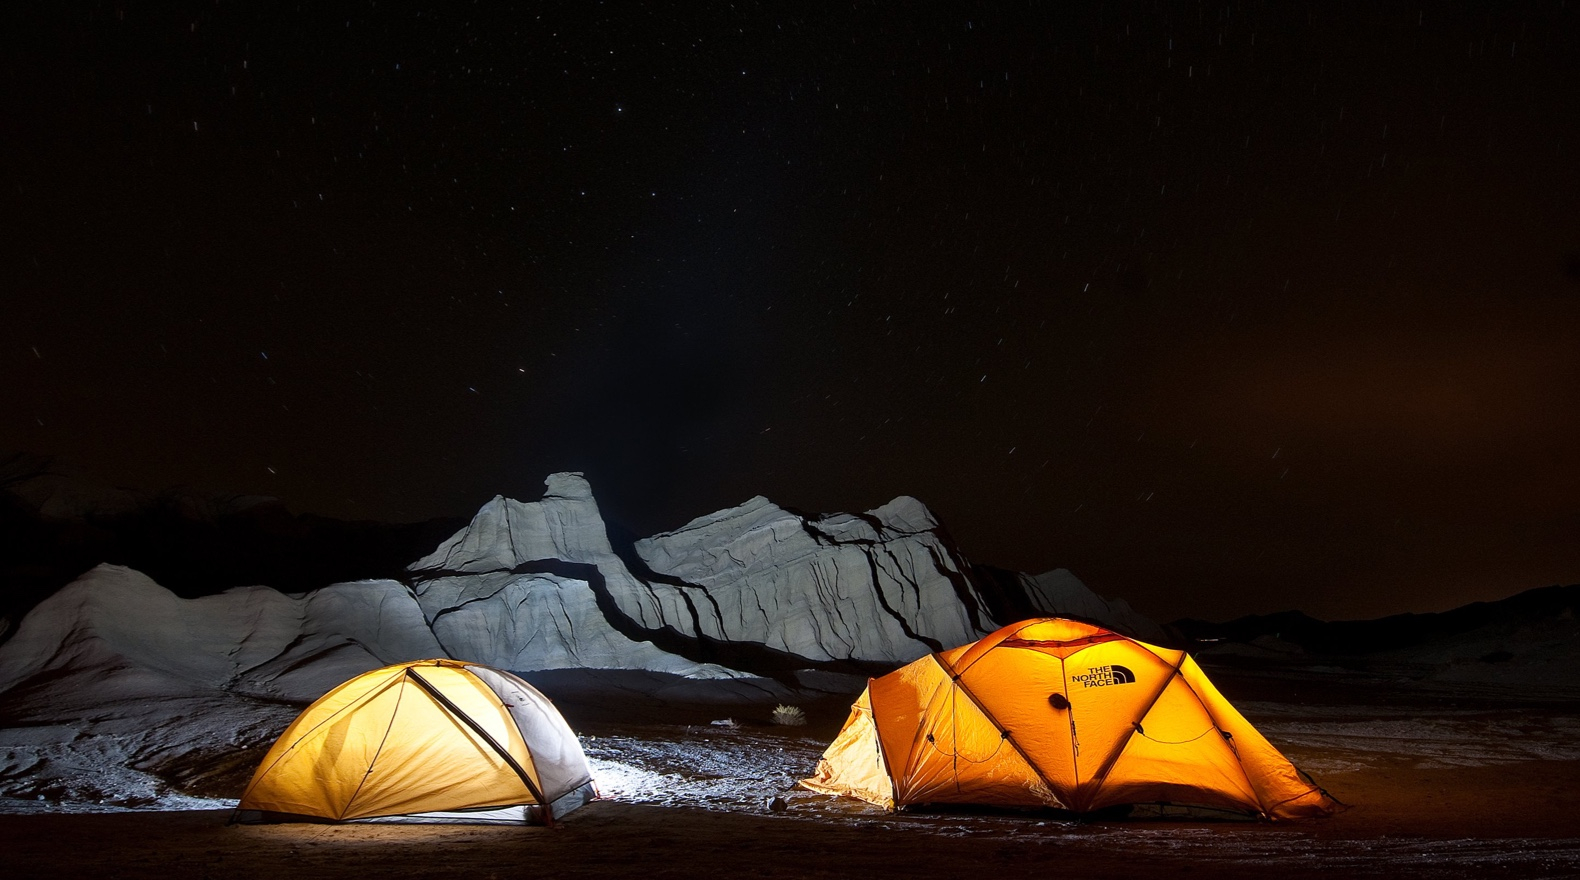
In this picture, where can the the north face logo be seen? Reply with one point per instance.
(1103, 676)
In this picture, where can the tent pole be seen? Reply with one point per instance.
(548, 813)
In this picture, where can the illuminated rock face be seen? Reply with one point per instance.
(530, 584)
(535, 586)
(565, 525)
(537, 620)
(115, 624)
(882, 587)
(755, 585)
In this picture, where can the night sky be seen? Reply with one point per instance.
(1227, 309)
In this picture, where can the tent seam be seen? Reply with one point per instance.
(399, 695)
(506, 675)
(1234, 749)
(1101, 776)
(471, 722)
(332, 716)
(883, 755)
(1007, 735)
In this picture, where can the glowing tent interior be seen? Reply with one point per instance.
(428, 741)
(1060, 714)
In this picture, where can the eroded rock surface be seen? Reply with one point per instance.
(115, 688)
(536, 585)
(880, 587)
(537, 621)
(755, 587)
(114, 623)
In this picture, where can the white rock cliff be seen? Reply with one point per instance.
(531, 584)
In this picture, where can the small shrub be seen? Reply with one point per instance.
(789, 716)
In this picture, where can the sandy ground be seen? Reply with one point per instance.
(1441, 784)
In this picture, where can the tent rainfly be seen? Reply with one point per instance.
(1057, 713)
(428, 741)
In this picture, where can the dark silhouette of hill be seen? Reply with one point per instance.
(1348, 637)
(195, 544)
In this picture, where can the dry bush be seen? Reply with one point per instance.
(789, 716)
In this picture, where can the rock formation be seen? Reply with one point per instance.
(882, 587)
(114, 671)
(528, 620)
(533, 586)
(116, 624)
(528, 585)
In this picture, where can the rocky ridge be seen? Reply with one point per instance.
(114, 688)
(533, 586)
(754, 587)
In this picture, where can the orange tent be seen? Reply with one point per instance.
(1057, 713)
(429, 741)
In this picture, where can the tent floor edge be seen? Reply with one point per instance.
(571, 800)
(518, 814)
(271, 817)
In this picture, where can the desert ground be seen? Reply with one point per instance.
(1440, 781)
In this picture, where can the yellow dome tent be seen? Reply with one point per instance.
(429, 741)
(1062, 714)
